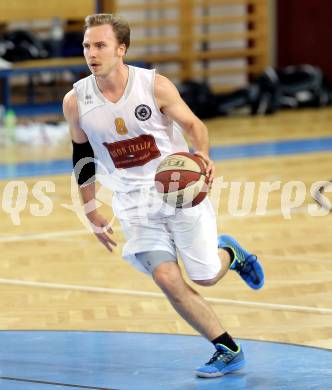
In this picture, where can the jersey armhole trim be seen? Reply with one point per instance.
(78, 106)
(153, 93)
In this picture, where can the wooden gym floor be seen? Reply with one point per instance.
(55, 275)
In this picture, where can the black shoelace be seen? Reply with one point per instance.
(244, 268)
(226, 357)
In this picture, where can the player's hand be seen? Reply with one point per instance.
(210, 167)
(102, 230)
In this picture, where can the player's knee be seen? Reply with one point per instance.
(167, 278)
(206, 282)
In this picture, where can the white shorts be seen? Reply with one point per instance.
(149, 225)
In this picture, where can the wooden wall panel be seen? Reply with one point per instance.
(18, 10)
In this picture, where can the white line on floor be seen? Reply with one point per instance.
(79, 232)
(65, 234)
(289, 257)
(43, 236)
(269, 213)
(118, 291)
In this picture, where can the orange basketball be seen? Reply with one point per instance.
(181, 180)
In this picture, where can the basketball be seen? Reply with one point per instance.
(181, 180)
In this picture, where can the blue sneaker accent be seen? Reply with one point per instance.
(244, 263)
(222, 362)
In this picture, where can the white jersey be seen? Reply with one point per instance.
(130, 137)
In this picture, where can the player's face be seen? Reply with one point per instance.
(102, 51)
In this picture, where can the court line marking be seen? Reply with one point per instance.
(45, 236)
(66, 233)
(308, 258)
(40, 382)
(63, 235)
(292, 282)
(150, 294)
(269, 213)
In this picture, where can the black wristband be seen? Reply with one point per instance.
(84, 167)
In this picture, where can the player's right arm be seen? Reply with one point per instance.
(87, 191)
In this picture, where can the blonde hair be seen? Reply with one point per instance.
(119, 25)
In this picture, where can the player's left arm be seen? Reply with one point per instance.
(171, 104)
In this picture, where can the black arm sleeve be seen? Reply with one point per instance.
(84, 170)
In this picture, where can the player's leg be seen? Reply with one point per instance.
(197, 242)
(162, 264)
(186, 301)
(159, 238)
(193, 308)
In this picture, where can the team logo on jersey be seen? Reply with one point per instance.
(143, 112)
(120, 126)
(133, 152)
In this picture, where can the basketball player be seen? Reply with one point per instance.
(130, 119)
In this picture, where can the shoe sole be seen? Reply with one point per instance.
(229, 369)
